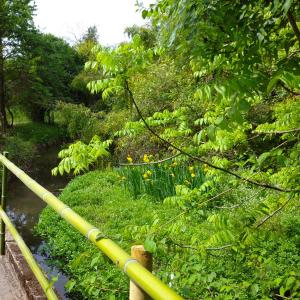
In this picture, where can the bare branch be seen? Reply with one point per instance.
(149, 163)
(280, 131)
(264, 220)
(207, 249)
(288, 89)
(228, 207)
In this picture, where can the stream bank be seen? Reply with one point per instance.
(24, 207)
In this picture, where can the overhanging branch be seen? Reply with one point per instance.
(196, 158)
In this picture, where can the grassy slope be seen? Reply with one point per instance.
(101, 199)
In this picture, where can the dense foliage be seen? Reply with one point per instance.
(200, 114)
(15, 22)
(234, 108)
(259, 269)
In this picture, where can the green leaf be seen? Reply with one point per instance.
(211, 132)
(244, 105)
(272, 83)
(150, 246)
(263, 157)
(282, 291)
(290, 282)
(286, 6)
(254, 289)
(70, 285)
(144, 14)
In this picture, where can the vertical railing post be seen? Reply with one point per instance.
(145, 259)
(3, 205)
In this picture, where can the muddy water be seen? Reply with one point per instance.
(24, 209)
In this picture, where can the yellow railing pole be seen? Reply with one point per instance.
(140, 275)
(46, 286)
(3, 206)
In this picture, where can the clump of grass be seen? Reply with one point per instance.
(160, 180)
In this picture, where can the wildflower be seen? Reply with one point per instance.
(193, 174)
(146, 158)
(172, 174)
(174, 164)
(191, 168)
(147, 174)
(129, 159)
(205, 167)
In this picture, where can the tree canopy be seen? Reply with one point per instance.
(15, 22)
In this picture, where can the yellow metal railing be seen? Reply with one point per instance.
(38, 273)
(136, 272)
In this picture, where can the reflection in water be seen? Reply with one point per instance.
(24, 207)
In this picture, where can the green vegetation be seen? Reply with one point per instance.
(197, 117)
(268, 267)
(24, 140)
(101, 199)
(160, 180)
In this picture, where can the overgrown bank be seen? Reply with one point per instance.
(265, 269)
(102, 200)
(25, 139)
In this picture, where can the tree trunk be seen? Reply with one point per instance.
(3, 117)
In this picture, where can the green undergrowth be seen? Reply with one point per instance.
(188, 246)
(24, 139)
(149, 179)
(39, 133)
(102, 200)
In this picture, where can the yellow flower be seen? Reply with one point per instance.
(147, 174)
(205, 167)
(129, 159)
(146, 158)
(191, 168)
(172, 174)
(193, 174)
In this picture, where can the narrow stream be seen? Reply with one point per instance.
(24, 208)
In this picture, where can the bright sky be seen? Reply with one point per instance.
(69, 19)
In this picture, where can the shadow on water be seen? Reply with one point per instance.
(24, 208)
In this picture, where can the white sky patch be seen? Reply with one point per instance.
(69, 19)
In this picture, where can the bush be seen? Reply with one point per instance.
(80, 122)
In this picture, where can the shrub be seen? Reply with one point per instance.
(80, 121)
(79, 157)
